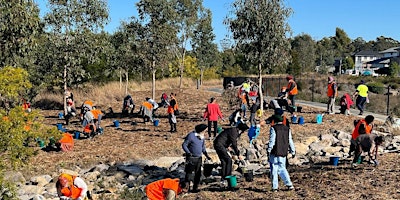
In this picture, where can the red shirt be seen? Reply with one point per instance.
(212, 112)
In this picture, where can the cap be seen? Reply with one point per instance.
(200, 128)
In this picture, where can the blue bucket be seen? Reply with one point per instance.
(60, 115)
(301, 120)
(294, 119)
(319, 119)
(59, 126)
(77, 134)
(156, 122)
(116, 123)
(334, 160)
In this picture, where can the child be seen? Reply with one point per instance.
(345, 103)
(367, 143)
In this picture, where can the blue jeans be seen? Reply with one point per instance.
(278, 167)
(360, 102)
(243, 107)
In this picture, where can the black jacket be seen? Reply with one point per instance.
(227, 138)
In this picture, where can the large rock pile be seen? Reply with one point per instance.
(110, 181)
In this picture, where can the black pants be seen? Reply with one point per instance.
(193, 164)
(215, 124)
(226, 161)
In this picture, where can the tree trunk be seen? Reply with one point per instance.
(260, 93)
(120, 79)
(153, 84)
(201, 76)
(127, 81)
(181, 67)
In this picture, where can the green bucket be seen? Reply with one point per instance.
(219, 129)
(232, 181)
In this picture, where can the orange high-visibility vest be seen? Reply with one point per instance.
(72, 191)
(154, 190)
(330, 90)
(171, 109)
(294, 90)
(368, 129)
(283, 122)
(96, 113)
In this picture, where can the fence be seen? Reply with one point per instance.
(382, 99)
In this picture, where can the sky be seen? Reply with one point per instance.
(368, 19)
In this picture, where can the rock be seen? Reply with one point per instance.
(41, 180)
(30, 190)
(310, 140)
(67, 171)
(344, 143)
(343, 135)
(316, 147)
(332, 150)
(38, 197)
(301, 148)
(251, 154)
(329, 137)
(15, 177)
(91, 176)
(101, 167)
(176, 164)
(166, 161)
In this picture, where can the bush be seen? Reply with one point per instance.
(376, 87)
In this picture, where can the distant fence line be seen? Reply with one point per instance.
(383, 99)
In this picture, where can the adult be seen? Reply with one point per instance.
(146, 111)
(368, 143)
(253, 110)
(171, 110)
(128, 106)
(345, 103)
(362, 126)
(212, 113)
(236, 117)
(165, 189)
(194, 147)
(71, 187)
(85, 107)
(280, 140)
(278, 116)
(291, 90)
(228, 138)
(92, 120)
(154, 103)
(362, 94)
(332, 93)
(244, 102)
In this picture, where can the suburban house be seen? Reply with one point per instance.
(362, 58)
(387, 56)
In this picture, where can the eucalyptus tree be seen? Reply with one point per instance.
(159, 33)
(259, 28)
(304, 47)
(19, 28)
(186, 21)
(72, 24)
(204, 49)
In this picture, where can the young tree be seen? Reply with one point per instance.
(259, 28)
(159, 33)
(73, 24)
(186, 22)
(204, 49)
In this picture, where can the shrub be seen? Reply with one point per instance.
(376, 87)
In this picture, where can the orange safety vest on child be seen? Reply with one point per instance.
(96, 113)
(292, 85)
(71, 191)
(332, 90)
(154, 190)
(368, 129)
(171, 109)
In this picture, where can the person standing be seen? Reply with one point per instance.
(228, 138)
(212, 113)
(165, 189)
(362, 95)
(172, 108)
(291, 90)
(332, 93)
(280, 140)
(194, 147)
(253, 109)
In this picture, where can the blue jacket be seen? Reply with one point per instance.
(194, 145)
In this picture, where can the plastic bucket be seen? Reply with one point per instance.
(219, 129)
(156, 122)
(60, 115)
(360, 159)
(294, 119)
(40, 142)
(301, 120)
(334, 160)
(59, 126)
(232, 181)
(207, 169)
(249, 176)
(319, 119)
(77, 134)
(116, 123)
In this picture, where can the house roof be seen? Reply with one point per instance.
(380, 61)
(391, 50)
(367, 53)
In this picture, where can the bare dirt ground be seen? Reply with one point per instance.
(145, 141)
